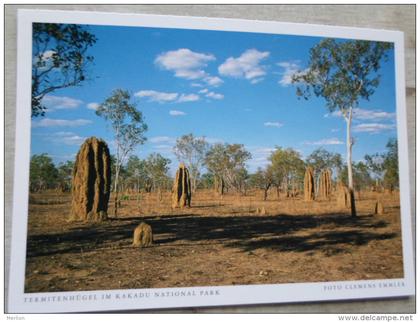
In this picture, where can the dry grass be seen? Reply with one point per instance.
(218, 241)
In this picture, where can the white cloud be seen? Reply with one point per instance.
(273, 124)
(213, 81)
(183, 61)
(289, 69)
(63, 133)
(373, 127)
(176, 113)
(155, 96)
(260, 155)
(47, 122)
(162, 97)
(257, 162)
(60, 102)
(245, 66)
(93, 106)
(162, 139)
(67, 138)
(190, 65)
(216, 96)
(331, 141)
(256, 80)
(187, 64)
(260, 151)
(363, 114)
(210, 94)
(188, 98)
(366, 114)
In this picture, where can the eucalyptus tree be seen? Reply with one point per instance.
(262, 179)
(157, 168)
(128, 126)
(59, 59)
(385, 165)
(321, 159)
(191, 150)
(227, 162)
(287, 167)
(43, 173)
(343, 73)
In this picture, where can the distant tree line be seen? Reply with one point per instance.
(222, 167)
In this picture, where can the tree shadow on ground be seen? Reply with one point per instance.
(239, 231)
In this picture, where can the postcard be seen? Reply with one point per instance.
(166, 161)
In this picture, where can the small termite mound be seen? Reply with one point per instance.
(308, 185)
(181, 190)
(143, 236)
(261, 211)
(379, 208)
(91, 182)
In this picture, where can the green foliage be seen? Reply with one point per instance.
(59, 59)
(391, 177)
(262, 179)
(287, 167)
(65, 175)
(241, 180)
(128, 126)
(136, 173)
(342, 72)
(157, 168)
(215, 159)
(206, 181)
(227, 161)
(375, 164)
(385, 165)
(192, 151)
(321, 159)
(362, 178)
(126, 121)
(43, 173)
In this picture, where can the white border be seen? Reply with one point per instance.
(227, 295)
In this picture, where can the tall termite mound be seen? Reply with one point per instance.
(308, 185)
(324, 184)
(181, 191)
(91, 181)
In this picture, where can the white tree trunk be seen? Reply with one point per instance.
(349, 162)
(117, 172)
(349, 151)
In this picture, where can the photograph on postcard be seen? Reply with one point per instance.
(175, 158)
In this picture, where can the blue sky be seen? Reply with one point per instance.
(227, 86)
